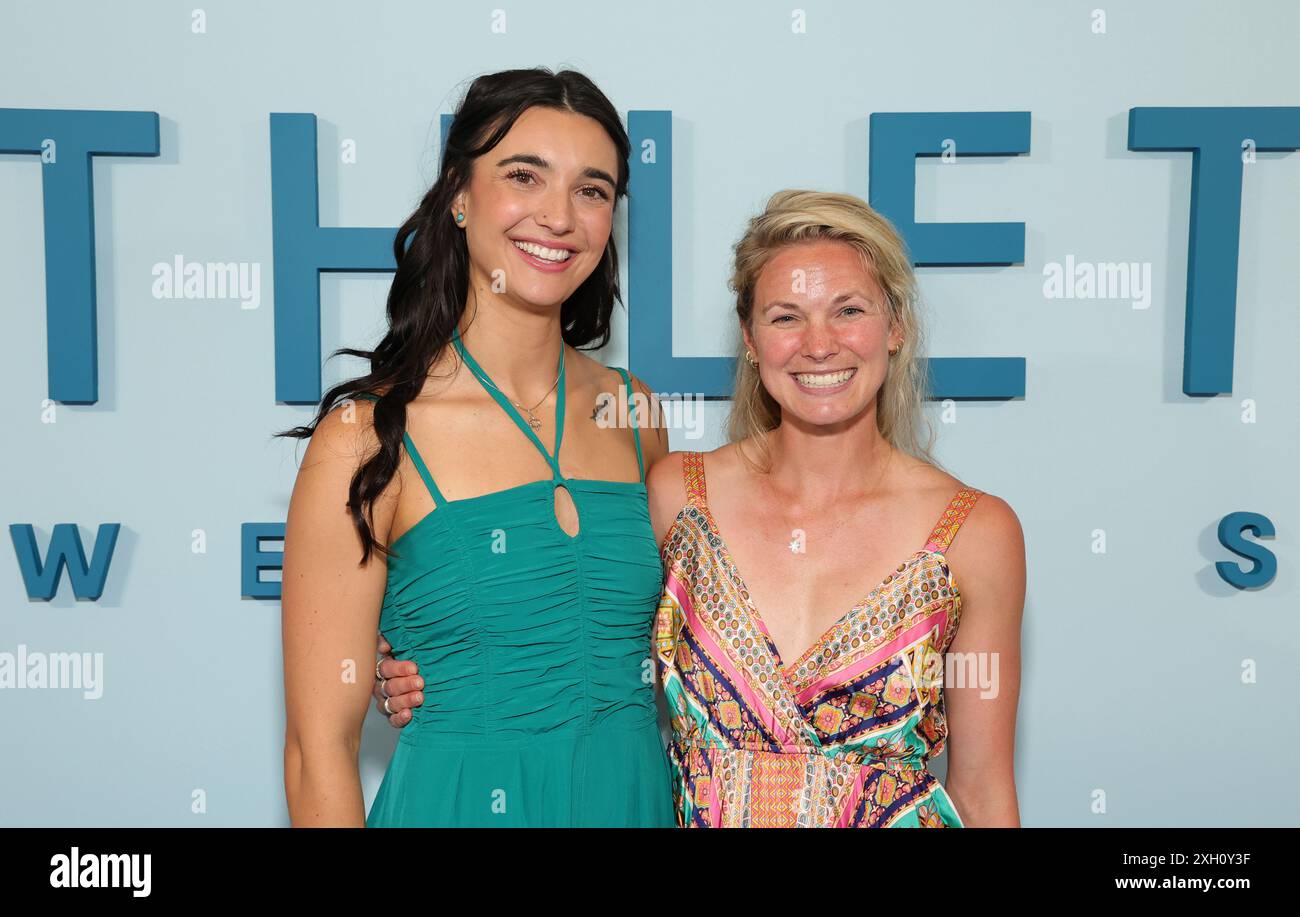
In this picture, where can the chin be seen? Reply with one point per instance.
(823, 416)
(541, 296)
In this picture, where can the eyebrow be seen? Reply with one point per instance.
(533, 159)
(843, 297)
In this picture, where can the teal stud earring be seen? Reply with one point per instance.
(460, 218)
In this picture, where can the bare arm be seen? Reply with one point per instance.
(990, 572)
(330, 612)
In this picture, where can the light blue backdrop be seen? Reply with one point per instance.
(1133, 658)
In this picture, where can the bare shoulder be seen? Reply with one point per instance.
(346, 433)
(666, 491)
(598, 377)
(343, 440)
(730, 460)
(666, 484)
(589, 372)
(993, 524)
(988, 556)
(600, 382)
(924, 485)
(665, 481)
(990, 536)
(915, 478)
(654, 438)
(601, 379)
(641, 388)
(591, 383)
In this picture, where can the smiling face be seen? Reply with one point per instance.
(820, 332)
(539, 207)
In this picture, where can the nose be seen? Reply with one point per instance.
(819, 341)
(556, 211)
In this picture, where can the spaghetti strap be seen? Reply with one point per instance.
(632, 419)
(955, 514)
(693, 476)
(418, 462)
(416, 459)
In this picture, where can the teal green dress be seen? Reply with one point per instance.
(534, 646)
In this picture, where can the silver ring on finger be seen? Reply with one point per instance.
(383, 688)
(388, 709)
(378, 674)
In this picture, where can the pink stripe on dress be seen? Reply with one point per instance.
(724, 661)
(876, 657)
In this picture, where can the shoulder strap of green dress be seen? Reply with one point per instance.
(636, 427)
(416, 459)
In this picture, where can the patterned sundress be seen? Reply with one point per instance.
(841, 737)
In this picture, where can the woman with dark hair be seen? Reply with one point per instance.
(521, 579)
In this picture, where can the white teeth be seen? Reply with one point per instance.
(546, 254)
(825, 380)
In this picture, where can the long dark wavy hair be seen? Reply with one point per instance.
(427, 298)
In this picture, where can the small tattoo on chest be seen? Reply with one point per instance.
(602, 402)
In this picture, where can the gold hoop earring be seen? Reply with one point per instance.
(750, 357)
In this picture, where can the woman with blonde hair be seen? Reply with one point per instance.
(800, 694)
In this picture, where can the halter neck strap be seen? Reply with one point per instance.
(490, 387)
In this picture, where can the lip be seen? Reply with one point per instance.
(543, 243)
(826, 390)
(546, 267)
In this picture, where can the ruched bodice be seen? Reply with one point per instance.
(534, 647)
(518, 629)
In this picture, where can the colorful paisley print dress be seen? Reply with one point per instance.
(841, 737)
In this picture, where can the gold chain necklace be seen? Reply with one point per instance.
(532, 418)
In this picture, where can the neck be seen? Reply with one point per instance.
(519, 350)
(818, 465)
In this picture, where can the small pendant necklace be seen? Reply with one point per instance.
(533, 420)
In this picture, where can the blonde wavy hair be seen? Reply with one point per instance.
(794, 216)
